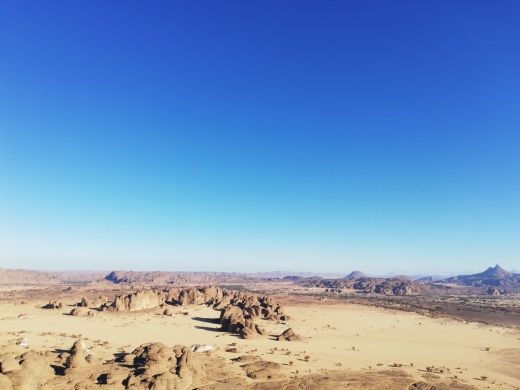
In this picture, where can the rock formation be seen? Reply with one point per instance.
(32, 371)
(261, 369)
(82, 312)
(150, 366)
(385, 286)
(53, 305)
(242, 311)
(78, 356)
(140, 300)
(96, 302)
(289, 335)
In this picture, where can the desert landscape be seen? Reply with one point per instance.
(160, 330)
(259, 195)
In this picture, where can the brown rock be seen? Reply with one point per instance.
(9, 363)
(289, 335)
(140, 300)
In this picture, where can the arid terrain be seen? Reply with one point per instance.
(253, 333)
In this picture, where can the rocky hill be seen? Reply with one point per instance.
(21, 276)
(389, 286)
(78, 276)
(159, 278)
(356, 275)
(492, 277)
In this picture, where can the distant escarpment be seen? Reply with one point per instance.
(383, 286)
(159, 278)
(22, 276)
(492, 277)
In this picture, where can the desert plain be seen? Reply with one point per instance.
(340, 344)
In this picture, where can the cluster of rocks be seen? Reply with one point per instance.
(82, 312)
(496, 291)
(53, 305)
(239, 311)
(384, 286)
(243, 310)
(26, 371)
(150, 366)
(96, 303)
(257, 368)
(193, 296)
(139, 300)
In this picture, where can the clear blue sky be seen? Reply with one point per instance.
(260, 135)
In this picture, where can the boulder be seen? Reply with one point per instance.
(289, 335)
(140, 300)
(78, 356)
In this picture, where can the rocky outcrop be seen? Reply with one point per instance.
(178, 368)
(385, 286)
(140, 300)
(95, 303)
(78, 356)
(242, 311)
(34, 369)
(289, 335)
(80, 312)
(195, 296)
(261, 369)
(53, 305)
(150, 366)
(495, 291)
(9, 363)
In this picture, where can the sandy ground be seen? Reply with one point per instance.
(381, 337)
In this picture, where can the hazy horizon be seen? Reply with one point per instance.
(245, 137)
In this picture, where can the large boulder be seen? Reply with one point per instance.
(289, 335)
(9, 363)
(78, 356)
(140, 300)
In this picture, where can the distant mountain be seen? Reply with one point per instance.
(493, 276)
(78, 276)
(430, 279)
(494, 272)
(402, 277)
(163, 278)
(355, 275)
(514, 271)
(283, 274)
(22, 276)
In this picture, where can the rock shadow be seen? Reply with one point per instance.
(207, 320)
(208, 328)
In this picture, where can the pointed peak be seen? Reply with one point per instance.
(497, 272)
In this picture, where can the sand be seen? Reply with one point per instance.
(338, 336)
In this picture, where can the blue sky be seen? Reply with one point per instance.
(256, 136)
